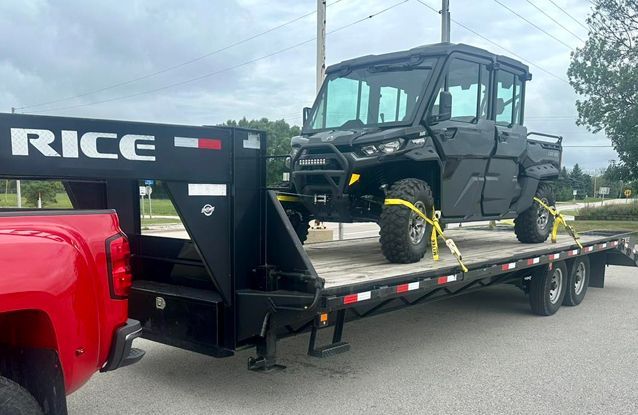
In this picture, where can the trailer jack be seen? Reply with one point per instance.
(266, 360)
(336, 347)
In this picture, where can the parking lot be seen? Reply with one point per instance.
(479, 353)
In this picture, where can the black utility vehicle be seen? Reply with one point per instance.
(439, 126)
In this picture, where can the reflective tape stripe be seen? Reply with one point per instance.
(573, 252)
(407, 287)
(355, 298)
(554, 257)
(533, 261)
(507, 267)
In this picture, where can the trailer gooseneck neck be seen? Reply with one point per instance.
(244, 279)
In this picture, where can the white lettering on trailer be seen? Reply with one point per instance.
(205, 189)
(41, 140)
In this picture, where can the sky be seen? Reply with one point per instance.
(114, 59)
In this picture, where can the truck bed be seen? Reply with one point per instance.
(360, 261)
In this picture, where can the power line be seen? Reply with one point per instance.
(497, 45)
(569, 15)
(592, 146)
(176, 66)
(533, 24)
(556, 21)
(209, 74)
(543, 117)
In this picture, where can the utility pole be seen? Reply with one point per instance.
(321, 41)
(19, 193)
(13, 110)
(445, 21)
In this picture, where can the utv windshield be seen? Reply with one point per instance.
(378, 95)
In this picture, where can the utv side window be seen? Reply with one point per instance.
(347, 99)
(393, 104)
(509, 89)
(467, 82)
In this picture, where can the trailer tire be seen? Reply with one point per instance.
(547, 289)
(16, 400)
(404, 235)
(535, 224)
(577, 281)
(299, 224)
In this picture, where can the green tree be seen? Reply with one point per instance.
(33, 190)
(605, 73)
(278, 134)
(580, 181)
(563, 186)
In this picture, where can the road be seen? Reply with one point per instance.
(482, 353)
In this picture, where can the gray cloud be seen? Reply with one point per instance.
(54, 49)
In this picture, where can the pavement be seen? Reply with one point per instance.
(482, 353)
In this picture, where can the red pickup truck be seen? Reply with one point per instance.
(64, 282)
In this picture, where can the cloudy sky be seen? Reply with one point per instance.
(90, 51)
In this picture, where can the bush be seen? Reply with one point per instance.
(45, 190)
(627, 211)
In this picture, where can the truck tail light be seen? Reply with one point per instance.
(118, 256)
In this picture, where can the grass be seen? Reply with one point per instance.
(162, 207)
(160, 221)
(607, 225)
(10, 200)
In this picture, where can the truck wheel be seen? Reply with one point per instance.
(299, 224)
(15, 400)
(404, 234)
(534, 225)
(547, 289)
(577, 281)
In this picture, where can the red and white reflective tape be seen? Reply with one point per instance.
(533, 261)
(446, 279)
(507, 267)
(589, 249)
(408, 287)
(554, 257)
(201, 143)
(614, 243)
(355, 298)
(573, 252)
(603, 246)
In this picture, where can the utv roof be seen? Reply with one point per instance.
(435, 49)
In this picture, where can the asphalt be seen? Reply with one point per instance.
(482, 353)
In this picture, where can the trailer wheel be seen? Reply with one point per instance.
(535, 224)
(547, 289)
(299, 224)
(16, 400)
(404, 235)
(577, 281)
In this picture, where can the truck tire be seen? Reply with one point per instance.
(404, 235)
(15, 400)
(577, 281)
(547, 289)
(535, 224)
(299, 224)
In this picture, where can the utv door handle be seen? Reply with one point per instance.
(446, 133)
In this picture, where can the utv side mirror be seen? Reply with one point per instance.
(305, 114)
(445, 106)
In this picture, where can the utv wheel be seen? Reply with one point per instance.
(15, 400)
(547, 289)
(535, 224)
(577, 281)
(299, 224)
(405, 234)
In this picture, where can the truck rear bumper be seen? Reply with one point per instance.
(122, 353)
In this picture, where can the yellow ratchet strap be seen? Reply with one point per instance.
(288, 198)
(436, 231)
(559, 219)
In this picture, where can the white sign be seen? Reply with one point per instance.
(603, 190)
(575, 192)
(142, 191)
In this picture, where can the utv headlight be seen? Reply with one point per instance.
(369, 150)
(391, 146)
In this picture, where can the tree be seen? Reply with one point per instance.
(33, 190)
(563, 186)
(278, 134)
(605, 73)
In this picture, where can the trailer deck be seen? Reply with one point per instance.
(360, 261)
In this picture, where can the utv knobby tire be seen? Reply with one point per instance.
(577, 281)
(15, 400)
(526, 225)
(540, 289)
(299, 224)
(394, 222)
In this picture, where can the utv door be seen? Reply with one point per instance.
(466, 139)
(501, 180)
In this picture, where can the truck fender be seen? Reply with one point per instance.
(427, 152)
(542, 171)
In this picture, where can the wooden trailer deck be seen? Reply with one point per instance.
(355, 261)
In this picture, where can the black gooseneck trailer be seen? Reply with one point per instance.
(244, 279)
